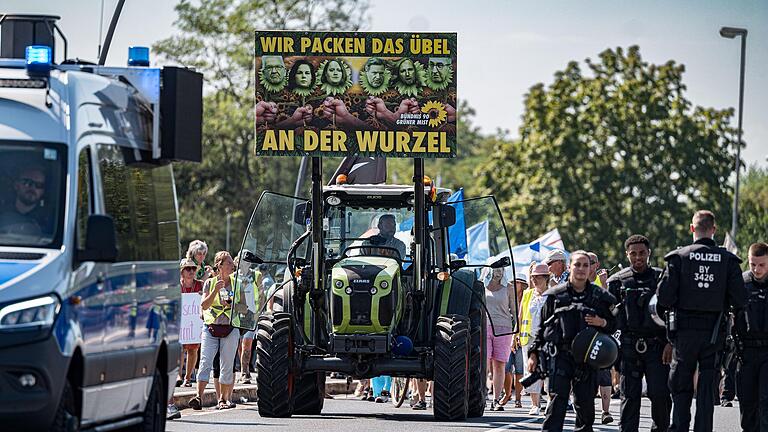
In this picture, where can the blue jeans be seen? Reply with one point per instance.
(381, 383)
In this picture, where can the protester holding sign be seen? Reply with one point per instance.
(189, 285)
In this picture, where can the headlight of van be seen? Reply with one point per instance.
(38, 312)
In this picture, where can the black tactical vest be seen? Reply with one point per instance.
(703, 277)
(569, 316)
(634, 292)
(752, 321)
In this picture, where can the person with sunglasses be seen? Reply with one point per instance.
(27, 213)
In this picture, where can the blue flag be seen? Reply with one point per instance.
(457, 234)
(479, 249)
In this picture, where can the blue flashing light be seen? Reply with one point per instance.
(38, 59)
(138, 56)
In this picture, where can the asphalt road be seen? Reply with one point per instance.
(348, 414)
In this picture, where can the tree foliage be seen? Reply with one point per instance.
(217, 38)
(753, 209)
(611, 152)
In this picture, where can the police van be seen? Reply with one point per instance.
(89, 242)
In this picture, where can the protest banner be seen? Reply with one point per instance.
(191, 323)
(343, 94)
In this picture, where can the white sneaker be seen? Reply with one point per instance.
(535, 411)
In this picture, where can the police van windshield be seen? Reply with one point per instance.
(32, 193)
(349, 227)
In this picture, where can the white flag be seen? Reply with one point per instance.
(551, 239)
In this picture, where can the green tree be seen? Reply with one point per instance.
(217, 38)
(753, 209)
(612, 152)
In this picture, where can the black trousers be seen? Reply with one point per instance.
(562, 380)
(633, 366)
(729, 384)
(692, 350)
(752, 389)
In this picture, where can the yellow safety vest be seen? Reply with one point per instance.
(525, 325)
(216, 309)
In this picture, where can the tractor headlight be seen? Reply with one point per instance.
(348, 290)
(338, 284)
(36, 312)
(374, 290)
(384, 284)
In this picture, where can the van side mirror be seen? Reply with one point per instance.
(301, 213)
(445, 216)
(100, 240)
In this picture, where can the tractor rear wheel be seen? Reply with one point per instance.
(451, 368)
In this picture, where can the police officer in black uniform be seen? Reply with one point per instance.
(751, 331)
(569, 308)
(644, 346)
(699, 284)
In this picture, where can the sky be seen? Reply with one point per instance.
(524, 41)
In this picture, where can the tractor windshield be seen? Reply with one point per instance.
(361, 231)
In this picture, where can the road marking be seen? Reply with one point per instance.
(211, 410)
(515, 424)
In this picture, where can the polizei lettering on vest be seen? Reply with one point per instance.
(699, 256)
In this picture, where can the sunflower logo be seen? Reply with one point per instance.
(436, 111)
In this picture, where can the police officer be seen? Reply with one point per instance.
(751, 330)
(644, 346)
(569, 308)
(700, 282)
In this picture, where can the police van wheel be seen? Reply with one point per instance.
(155, 411)
(451, 364)
(274, 348)
(66, 419)
(310, 394)
(477, 365)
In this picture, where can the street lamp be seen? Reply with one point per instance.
(731, 33)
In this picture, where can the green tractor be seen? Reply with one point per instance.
(369, 288)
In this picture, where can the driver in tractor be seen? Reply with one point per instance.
(387, 227)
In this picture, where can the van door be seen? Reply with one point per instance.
(141, 199)
(120, 311)
(88, 287)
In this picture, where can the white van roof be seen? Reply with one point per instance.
(24, 115)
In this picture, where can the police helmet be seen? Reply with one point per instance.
(594, 348)
(655, 310)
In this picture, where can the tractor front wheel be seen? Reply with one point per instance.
(274, 349)
(451, 368)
